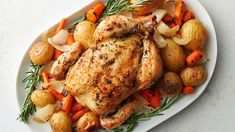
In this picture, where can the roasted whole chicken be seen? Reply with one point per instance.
(104, 78)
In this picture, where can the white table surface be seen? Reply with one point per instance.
(22, 20)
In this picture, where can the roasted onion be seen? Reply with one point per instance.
(166, 30)
(42, 115)
(192, 34)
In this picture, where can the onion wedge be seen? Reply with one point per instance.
(58, 85)
(167, 31)
(59, 47)
(42, 115)
(60, 38)
(181, 41)
(160, 13)
(159, 39)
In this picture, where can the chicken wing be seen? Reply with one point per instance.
(67, 59)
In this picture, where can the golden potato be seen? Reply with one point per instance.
(41, 98)
(84, 33)
(194, 30)
(60, 122)
(193, 76)
(173, 56)
(88, 122)
(171, 84)
(41, 53)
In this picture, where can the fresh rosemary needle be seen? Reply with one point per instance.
(32, 78)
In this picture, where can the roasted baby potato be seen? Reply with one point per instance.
(171, 84)
(41, 98)
(193, 76)
(84, 33)
(60, 122)
(88, 122)
(41, 53)
(194, 30)
(173, 56)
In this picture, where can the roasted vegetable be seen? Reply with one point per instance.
(193, 76)
(193, 35)
(41, 53)
(95, 12)
(84, 33)
(42, 115)
(88, 122)
(173, 56)
(60, 122)
(41, 98)
(171, 84)
(166, 30)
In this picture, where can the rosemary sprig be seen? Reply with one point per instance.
(132, 122)
(32, 78)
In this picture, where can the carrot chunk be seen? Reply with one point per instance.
(194, 57)
(187, 90)
(60, 25)
(95, 13)
(58, 95)
(76, 107)
(45, 78)
(155, 101)
(78, 114)
(70, 39)
(67, 103)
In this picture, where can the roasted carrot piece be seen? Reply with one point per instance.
(172, 25)
(76, 107)
(180, 10)
(155, 101)
(187, 90)
(188, 15)
(147, 94)
(60, 25)
(168, 19)
(194, 57)
(95, 13)
(67, 103)
(78, 114)
(70, 39)
(57, 54)
(58, 95)
(45, 78)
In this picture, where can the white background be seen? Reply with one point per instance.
(22, 20)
